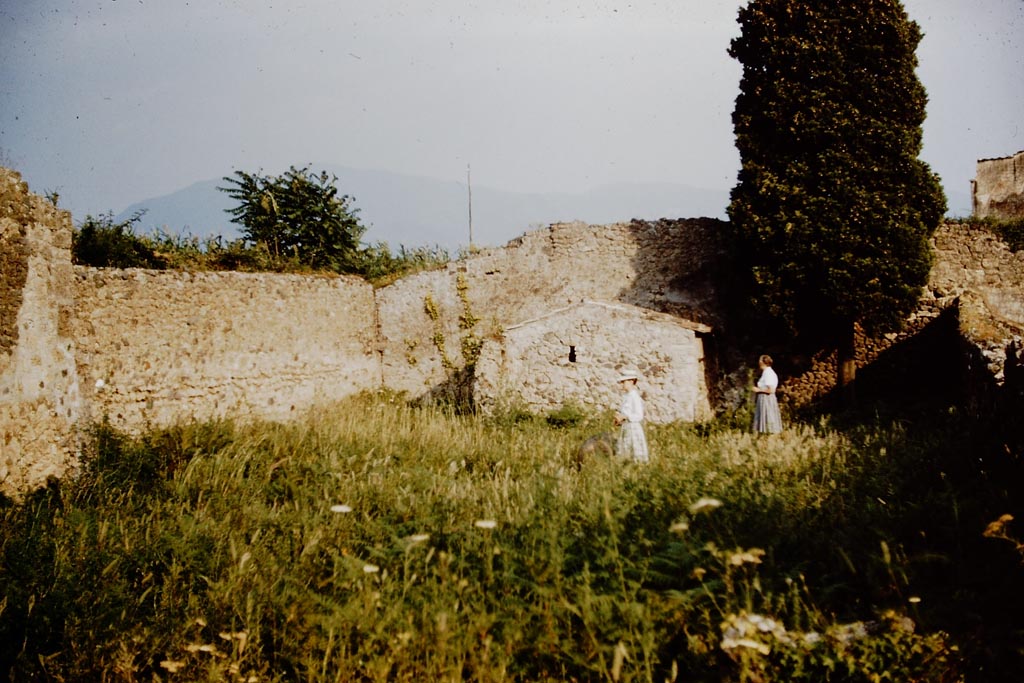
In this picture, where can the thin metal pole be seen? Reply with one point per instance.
(469, 186)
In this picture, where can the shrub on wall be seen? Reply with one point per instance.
(300, 215)
(380, 265)
(103, 243)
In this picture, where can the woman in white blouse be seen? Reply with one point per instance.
(767, 418)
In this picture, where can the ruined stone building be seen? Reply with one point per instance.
(998, 190)
(554, 316)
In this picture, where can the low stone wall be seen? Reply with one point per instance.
(39, 388)
(156, 347)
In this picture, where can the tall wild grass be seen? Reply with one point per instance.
(375, 541)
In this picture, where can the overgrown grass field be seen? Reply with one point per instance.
(376, 541)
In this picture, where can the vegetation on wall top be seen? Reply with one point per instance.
(299, 214)
(295, 223)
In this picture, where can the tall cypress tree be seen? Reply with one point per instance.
(833, 210)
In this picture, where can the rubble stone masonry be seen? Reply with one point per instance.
(39, 387)
(155, 347)
(977, 277)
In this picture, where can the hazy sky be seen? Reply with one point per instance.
(113, 101)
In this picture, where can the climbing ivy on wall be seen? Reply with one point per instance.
(438, 337)
(470, 343)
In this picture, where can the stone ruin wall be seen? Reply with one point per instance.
(157, 347)
(986, 279)
(998, 190)
(147, 348)
(39, 387)
(976, 278)
(973, 262)
(172, 345)
(143, 348)
(662, 265)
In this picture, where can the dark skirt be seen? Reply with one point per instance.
(767, 418)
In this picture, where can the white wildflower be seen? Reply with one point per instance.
(729, 644)
(419, 538)
(485, 524)
(341, 508)
(244, 560)
(370, 568)
(849, 633)
(705, 504)
(763, 624)
(752, 556)
(679, 527)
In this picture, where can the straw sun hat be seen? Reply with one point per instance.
(628, 375)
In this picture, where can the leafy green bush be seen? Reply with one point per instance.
(297, 222)
(103, 243)
(297, 215)
(100, 242)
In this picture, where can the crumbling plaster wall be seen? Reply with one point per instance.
(666, 266)
(573, 356)
(39, 388)
(997, 191)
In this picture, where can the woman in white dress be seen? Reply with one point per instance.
(767, 418)
(632, 442)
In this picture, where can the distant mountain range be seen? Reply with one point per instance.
(416, 211)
